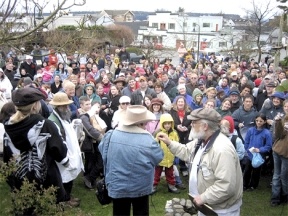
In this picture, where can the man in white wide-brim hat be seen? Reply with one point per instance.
(130, 155)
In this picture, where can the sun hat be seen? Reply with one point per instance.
(59, 99)
(135, 114)
(120, 79)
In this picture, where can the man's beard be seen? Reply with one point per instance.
(197, 135)
(64, 115)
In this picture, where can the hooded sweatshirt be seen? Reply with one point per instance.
(172, 134)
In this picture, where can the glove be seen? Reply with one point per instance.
(82, 137)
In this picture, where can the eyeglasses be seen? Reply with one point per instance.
(125, 103)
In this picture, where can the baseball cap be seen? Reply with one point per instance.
(267, 77)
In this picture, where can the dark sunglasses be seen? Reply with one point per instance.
(125, 103)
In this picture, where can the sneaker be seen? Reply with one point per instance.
(180, 186)
(185, 173)
(87, 182)
(173, 189)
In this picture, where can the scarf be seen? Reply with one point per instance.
(181, 114)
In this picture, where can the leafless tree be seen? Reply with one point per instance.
(18, 17)
(257, 17)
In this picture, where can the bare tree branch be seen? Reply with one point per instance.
(12, 8)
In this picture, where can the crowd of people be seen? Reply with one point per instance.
(204, 119)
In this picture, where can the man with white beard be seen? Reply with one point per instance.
(61, 116)
(215, 174)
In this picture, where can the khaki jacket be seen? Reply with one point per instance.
(222, 185)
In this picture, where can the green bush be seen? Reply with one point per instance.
(31, 198)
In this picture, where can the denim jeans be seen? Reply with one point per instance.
(280, 178)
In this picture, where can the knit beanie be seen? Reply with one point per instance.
(231, 123)
(196, 92)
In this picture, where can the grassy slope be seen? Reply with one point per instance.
(254, 203)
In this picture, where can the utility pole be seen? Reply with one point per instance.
(279, 42)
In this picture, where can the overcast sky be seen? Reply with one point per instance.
(201, 6)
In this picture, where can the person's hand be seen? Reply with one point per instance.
(278, 116)
(269, 121)
(198, 201)
(256, 150)
(82, 137)
(100, 138)
(180, 128)
(164, 137)
(240, 125)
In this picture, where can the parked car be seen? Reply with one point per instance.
(137, 43)
(136, 58)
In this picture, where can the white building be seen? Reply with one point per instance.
(170, 29)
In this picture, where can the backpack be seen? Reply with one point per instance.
(233, 140)
(30, 164)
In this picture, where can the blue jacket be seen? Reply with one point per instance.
(218, 102)
(261, 139)
(194, 105)
(225, 89)
(188, 99)
(130, 161)
(74, 107)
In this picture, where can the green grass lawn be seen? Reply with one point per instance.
(254, 203)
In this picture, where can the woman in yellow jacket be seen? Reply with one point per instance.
(166, 126)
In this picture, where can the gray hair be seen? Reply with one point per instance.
(213, 126)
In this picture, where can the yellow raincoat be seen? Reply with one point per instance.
(168, 158)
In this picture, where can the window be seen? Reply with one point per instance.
(154, 25)
(206, 25)
(171, 26)
(129, 18)
(222, 44)
(185, 24)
